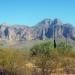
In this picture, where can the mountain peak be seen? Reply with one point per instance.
(57, 21)
(45, 21)
(41, 30)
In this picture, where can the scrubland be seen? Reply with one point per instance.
(41, 59)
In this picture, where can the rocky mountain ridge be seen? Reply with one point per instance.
(42, 31)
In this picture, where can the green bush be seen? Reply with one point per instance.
(44, 48)
(64, 49)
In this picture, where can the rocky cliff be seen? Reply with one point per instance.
(42, 31)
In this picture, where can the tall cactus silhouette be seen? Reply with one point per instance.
(54, 36)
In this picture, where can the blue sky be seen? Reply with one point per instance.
(29, 12)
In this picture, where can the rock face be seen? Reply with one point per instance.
(43, 30)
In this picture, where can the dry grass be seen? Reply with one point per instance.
(20, 62)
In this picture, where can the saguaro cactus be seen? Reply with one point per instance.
(54, 36)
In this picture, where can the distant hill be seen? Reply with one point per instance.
(41, 31)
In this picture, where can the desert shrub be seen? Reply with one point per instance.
(12, 62)
(68, 65)
(46, 57)
(49, 59)
(46, 65)
(44, 48)
(64, 49)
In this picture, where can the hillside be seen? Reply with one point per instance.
(41, 31)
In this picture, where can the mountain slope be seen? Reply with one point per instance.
(42, 31)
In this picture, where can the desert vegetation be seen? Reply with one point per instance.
(41, 59)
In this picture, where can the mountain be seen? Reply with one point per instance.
(43, 30)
